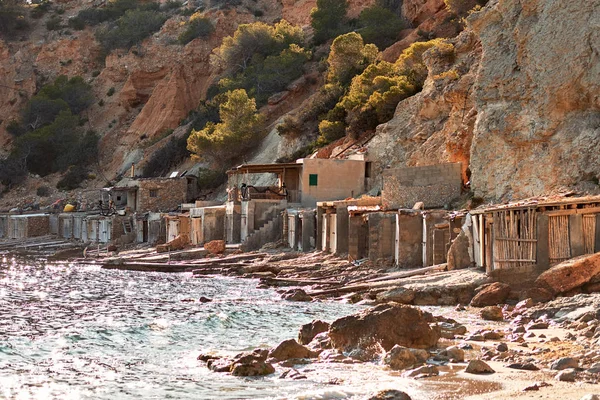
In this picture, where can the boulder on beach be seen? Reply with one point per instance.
(400, 295)
(490, 295)
(215, 246)
(178, 243)
(565, 363)
(458, 254)
(389, 394)
(492, 313)
(478, 367)
(537, 294)
(386, 325)
(309, 331)
(569, 274)
(244, 364)
(254, 368)
(291, 349)
(399, 357)
(296, 295)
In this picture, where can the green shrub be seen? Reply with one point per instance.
(171, 5)
(113, 10)
(331, 131)
(166, 158)
(54, 23)
(261, 59)
(348, 57)
(39, 8)
(12, 18)
(306, 122)
(51, 137)
(238, 132)
(43, 191)
(197, 26)
(110, 91)
(15, 128)
(329, 19)
(379, 26)
(130, 29)
(462, 7)
(374, 94)
(211, 178)
(392, 5)
(76, 23)
(12, 170)
(73, 178)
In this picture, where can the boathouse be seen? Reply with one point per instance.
(154, 194)
(520, 240)
(407, 238)
(207, 223)
(24, 226)
(299, 228)
(259, 193)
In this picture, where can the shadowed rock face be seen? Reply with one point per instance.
(386, 325)
(536, 94)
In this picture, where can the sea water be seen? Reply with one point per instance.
(80, 332)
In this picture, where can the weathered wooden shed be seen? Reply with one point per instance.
(522, 239)
(26, 226)
(207, 223)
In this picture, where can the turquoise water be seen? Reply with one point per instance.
(80, 332)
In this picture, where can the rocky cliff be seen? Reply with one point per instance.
(537, 96)
(519, 105)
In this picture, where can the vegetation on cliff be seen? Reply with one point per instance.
(50, 136)
(239, 130)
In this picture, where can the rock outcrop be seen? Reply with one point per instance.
(291, 349)
(536, 95)
(386, 325)
(492, 294)
(570, 274)
(309, 331)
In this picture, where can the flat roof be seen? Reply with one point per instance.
(535, 202)
(263, 168)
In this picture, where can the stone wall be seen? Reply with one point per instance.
(38, 226)
(434, 185)
(409, 253)
(382, 236)
(161, 194)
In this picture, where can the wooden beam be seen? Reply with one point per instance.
(597, 245)
(576, 235)
(543, 249)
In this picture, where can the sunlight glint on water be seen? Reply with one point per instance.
(70, 332)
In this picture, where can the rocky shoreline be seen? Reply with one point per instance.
(490, 342)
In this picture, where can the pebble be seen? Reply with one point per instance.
(502, 347)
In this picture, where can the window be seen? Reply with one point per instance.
(118, 198)
(313, 179)
(153, 192)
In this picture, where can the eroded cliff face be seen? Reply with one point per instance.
(537, 95)
(524, 112)
(436, 125)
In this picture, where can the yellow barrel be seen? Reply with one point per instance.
(69, 208)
